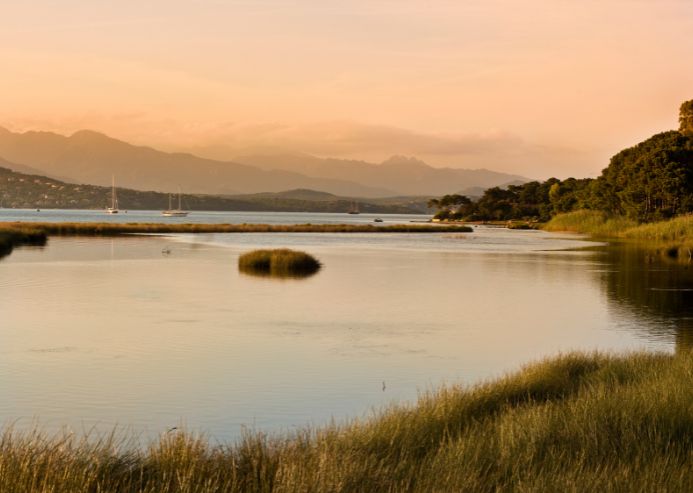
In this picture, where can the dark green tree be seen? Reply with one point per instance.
(651, 180)
(686, 118)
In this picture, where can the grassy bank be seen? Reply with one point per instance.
(674, 236)
(596, 223)
(573, 423)
(280, 262)
(105, 229)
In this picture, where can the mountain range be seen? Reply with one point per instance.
(91, 157)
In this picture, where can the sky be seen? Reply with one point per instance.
(534, 87)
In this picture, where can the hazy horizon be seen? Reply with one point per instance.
(536, 88)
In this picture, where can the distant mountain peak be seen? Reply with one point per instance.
(86, 133)
(400, 160)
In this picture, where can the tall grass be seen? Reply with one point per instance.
(672, 238)
(280, 262)
(578, 422)
(105, 229)
(678, 229)
(596, 223)
(12, 237)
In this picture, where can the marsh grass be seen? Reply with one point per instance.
(670, 239)
(112, 229)
(596, 223)
(676, 230)
(17, 236)
(577, 422)
(280, 262)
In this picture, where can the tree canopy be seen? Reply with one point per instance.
(649, 181)
(686, 118)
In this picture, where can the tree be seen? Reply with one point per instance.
(651, 180)
(686, 118)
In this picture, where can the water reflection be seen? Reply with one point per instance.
(652, 288)
(105, 331)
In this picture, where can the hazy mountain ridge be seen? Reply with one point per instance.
(91, 157)
(405, 175)
(30, 191)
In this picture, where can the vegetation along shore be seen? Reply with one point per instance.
(576, 422)
(649, 182)
(16, 234)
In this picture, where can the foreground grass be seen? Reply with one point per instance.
(573, 423)
(280, 262)
(105, 229)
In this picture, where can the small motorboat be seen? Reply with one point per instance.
(377, 220)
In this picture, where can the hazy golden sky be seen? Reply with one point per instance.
(536, 87)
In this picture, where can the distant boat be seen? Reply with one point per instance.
(354, 209)
(171, 212)
(114, 198)
(377, 220)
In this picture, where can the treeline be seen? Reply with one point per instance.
(650, 181)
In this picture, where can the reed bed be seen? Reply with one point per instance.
(12, 237)
(596, 223)
(280, 262)
(678, 229)
(112, 229)
(577, 422)
(672, 238)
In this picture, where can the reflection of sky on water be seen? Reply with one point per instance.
(111, 331)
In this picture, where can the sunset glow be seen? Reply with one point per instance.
(533, 87)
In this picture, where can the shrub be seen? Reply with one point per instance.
(280, 262)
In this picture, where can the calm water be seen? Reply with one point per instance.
(202, 217)
(99, 332)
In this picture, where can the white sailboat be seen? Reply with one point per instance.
(171, 212)
(114, 199)
(354, 209)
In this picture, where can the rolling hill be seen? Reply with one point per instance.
(30, 191)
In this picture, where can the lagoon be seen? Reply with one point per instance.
(103, 332)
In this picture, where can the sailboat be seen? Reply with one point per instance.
(354, 209)
(171, 212)
(114, 199)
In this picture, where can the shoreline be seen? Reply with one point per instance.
(573, 419)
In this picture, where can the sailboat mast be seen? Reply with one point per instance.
(114, 200)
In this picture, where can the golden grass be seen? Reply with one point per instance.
(596, 223)
(672, 238)
(280, 262)
(104, 229)
(678, 229)
(578, 422)
(12, 237)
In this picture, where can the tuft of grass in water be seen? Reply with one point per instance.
(577, 422)
(520, 225)
(17, 236)
(280, 262)
(596, 223)
(112, 229)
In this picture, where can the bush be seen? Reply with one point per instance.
(279, 263)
